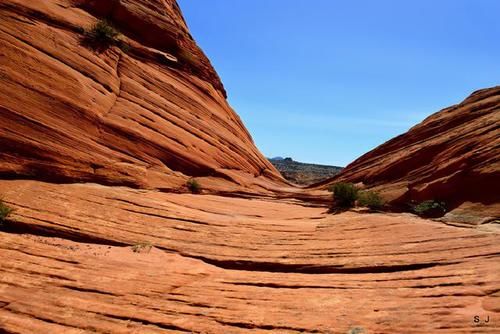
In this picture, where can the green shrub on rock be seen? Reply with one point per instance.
(5, 212)
(430, 209)
(344, 195)
(103, 35)
(371, 200)
(193, 186)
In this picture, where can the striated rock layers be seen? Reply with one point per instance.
(79, 259)
(106, 258)
(453, 156)
(148, 117)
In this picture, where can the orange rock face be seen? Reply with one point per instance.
(77, 259)
(148, 117)
(87, 138)
(453, 156)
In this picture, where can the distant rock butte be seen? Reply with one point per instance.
(453, 156)
(301, 173)
(148, 118)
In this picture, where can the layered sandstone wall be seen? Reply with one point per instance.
(453, 156)
(150, 117)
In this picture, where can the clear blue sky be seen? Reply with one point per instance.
(325, 81)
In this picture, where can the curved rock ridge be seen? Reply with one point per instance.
(149, 117)
(453, 156)
(87, 258)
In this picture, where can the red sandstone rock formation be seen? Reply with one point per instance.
(230, 265)
(97, 258)
(453, 155)
(149, 117)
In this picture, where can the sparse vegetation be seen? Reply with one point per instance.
(103, 35)
(193, 186)
(347, 195)
(356, 330)
(140, 247)
(344, 195)
(123, 46)
(5, 212)
(371, 200)
(430, 209)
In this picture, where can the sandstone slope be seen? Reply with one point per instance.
(453, 156)
(226, 265)
(92, 145)
(149, 117)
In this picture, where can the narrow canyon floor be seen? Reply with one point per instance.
(86, 258)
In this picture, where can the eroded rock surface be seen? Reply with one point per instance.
(222, 265)
(149, 117)
(118, 252)
(452, 156)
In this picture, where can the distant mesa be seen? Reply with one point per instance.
(303, 173)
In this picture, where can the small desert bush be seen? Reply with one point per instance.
(5, 212)
(430, 209)
(371, 200)
(103, 35)
(356, 330)
(193, 186)
(123, 46)
(142, 246)
(344, 195)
